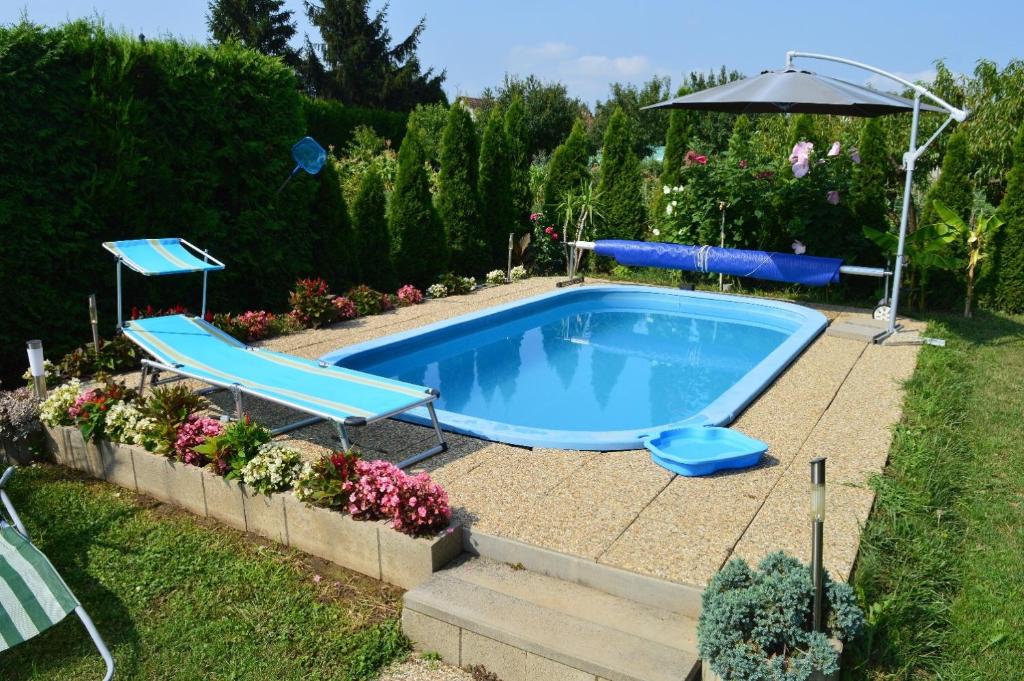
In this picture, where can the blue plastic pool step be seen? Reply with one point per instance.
(702, 450)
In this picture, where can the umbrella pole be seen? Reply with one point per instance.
(909, 161)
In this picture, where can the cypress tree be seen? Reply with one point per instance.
(621, 185)
(457, 200)
(1009, 257)
(499, 215)
(568, 168)
(373, 243)
(867, 187)
(517, 138)
(739, 142)
(333, 256)
(953, 187)
(419, 249)
(801, 129)
(677, 143)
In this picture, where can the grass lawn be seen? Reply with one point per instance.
(177, 597)
(942, 555)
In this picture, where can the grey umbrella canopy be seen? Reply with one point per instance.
(794, 91)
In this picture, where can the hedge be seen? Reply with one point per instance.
(332, 123)
(104, 138)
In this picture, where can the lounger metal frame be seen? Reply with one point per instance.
(87, 622)
(238, 391)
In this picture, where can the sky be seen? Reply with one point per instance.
(589, 45)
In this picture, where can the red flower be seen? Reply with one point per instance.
(548, 230)
(554, 236)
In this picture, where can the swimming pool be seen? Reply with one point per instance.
(594, 368)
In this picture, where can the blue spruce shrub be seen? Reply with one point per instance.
(755, 625)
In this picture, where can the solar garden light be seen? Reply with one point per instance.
(37, 367)
(508, 270)
(94, 319)
(817, 538)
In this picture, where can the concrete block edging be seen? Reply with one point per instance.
(371, 548)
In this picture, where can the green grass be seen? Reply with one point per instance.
(180, 598)
(940, 567)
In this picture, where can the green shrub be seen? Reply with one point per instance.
(755, 625)
(624, 215)
(497, 211)
(569, 168)
(373, 243)
(238, 444)
(677, 143)
(1009, 260)
(517, 137)
(458, 202)
(312, 303)
(456, 285)
(150, 139)
(368, 301)
(418, 246)
(333, 124)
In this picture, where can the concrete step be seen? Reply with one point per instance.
(525, 626)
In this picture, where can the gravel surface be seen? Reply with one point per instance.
(418, 669)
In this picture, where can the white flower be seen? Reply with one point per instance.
(665, 189)
(437, 291)
(495, 277)
(678, 188)
(125, 423)
(656, 232)
(668, 209)
(54, 409)
(675, 203)
(518, 273)
(273, 469)
(798, 247)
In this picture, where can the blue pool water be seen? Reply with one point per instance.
(596, 367)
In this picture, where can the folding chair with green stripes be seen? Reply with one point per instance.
(33, 597)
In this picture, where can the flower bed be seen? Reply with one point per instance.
(233, 473)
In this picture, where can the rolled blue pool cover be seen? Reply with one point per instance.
(809, 270)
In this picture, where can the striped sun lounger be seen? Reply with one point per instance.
(188, 346)
(33, 597)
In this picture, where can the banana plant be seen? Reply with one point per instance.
(926, 249)
(978, 232)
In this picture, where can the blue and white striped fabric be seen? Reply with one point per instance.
(33, 597)
(154, 257)
(200, 350)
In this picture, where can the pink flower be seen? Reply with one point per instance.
(193, 433)
(743, 164)
(345, 308)
(554, 236)
(832, 197)
(855, 155)
(798, 247)
(834, 151)
(548, 230)
(409, 295)
(534, 216)
(317, 579)
(800, 158)
(703, 160)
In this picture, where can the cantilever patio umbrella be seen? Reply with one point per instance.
(793, 91)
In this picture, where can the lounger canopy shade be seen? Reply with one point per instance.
(158, 257)
(792, 91)
(191, 347)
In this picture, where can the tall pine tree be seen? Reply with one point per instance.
(373, 242)
(361, 66)
(260, 25)
(419, 248)
(497, 210)
(1009, 265)
(568, 168)
(517, 137)
(458, 202)
(621, 187)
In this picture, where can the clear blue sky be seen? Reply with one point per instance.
(588, 45)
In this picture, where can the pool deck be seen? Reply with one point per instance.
(839, 399)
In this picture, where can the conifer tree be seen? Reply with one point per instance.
(568, 168)
(677, 142)
(419, 249)
(497, 210)
(372, 241)
(801, 129)
(867, 187)
(739, 142)
(333, 255)
(953, 187)
(260, 25)
(517, 138)
(1009, 261)
(458, 202)
(621, 187)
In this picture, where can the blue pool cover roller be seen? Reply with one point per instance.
(786, 267)
(703, 450)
